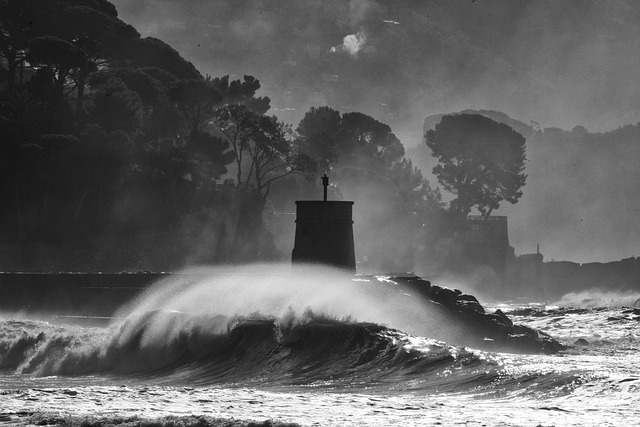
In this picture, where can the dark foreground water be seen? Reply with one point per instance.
(315, 351)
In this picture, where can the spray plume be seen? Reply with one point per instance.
(278, 291)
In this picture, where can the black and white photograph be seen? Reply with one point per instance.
(292, 213)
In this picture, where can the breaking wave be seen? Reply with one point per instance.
(173, 347)
(261, 327)
(597, 298)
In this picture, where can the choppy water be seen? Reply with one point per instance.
(233, 346)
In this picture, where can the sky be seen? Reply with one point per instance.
(547, 63)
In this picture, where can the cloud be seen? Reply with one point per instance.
(352, 44)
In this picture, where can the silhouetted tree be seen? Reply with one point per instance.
(261, 145)
(195, 100)
(151, 52)
(481, 162)
(418, 196)
(94, 28)
(272, 155)
(116, 107)
(211, 154)
(59, 56)
(160, 117)
(18, 22)
(368, 142)
(143, 149)
(69, 38)
(242, 92)
(353, 139)
(318, 134)
(236, 124)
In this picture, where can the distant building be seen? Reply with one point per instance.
(525, 275)
(477, 245)
(486, 241)
(477, 249)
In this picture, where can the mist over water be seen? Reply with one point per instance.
(247, 323)
(289, 342)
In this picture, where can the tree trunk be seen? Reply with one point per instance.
(19, 208)
(239, 174)
(22, 70)
(11, 71)
(80, 96)
(60, 83)
(76, 216)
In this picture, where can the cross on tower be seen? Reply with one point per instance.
(325, 182)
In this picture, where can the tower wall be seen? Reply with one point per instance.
(324, 234)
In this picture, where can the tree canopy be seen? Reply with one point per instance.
(353, 138)
(481, 161)
(262, 147)
(108, 136)
(362, 144)
(105, 134)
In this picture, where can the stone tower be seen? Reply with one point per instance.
(324, 232)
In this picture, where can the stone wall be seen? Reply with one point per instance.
(529, 276)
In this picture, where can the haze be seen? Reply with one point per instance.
(546, 63)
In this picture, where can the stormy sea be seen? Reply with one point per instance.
(272, 345)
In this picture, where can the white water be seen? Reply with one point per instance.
(597, 384)
(277, 290)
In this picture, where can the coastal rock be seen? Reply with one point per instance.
(467, 305)
(490, 331)
(501, 318)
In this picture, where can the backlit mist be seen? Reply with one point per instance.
(544, 63)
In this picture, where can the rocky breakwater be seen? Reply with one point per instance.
(469, 324)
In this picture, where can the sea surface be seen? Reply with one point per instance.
(313, 347)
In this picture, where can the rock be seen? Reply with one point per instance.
(467, 297)
(490, 331)
(444, 296)
(466, 305)
(581, 342)
(469, 302)
(502, 318)
(423, 287)
(531, 333)
(418, 281)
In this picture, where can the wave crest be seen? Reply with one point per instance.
(597, 298)
(168, 346)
